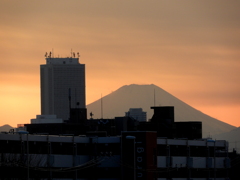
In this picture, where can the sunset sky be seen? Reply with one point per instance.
(189, 48)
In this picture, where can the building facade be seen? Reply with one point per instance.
(62, 86)
(133, 155)
(137, 113)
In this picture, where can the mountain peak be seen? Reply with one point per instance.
(148, 95)
(139, 85)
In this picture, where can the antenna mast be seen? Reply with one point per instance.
(154, 97)
(52, 52)
(101, 108)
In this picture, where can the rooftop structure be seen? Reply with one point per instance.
(137, 113)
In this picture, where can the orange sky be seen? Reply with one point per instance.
(188, 48)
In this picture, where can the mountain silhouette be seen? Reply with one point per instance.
(118, 102)
(233, 138)
(5, 127)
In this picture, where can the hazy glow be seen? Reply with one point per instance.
(188, 48)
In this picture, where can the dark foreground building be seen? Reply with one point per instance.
(114, 149)
(162, 122)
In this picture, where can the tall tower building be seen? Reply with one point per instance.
(62, 86)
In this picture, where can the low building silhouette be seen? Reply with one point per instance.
(119, 148)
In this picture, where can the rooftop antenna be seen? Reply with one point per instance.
(78, 102)
(52, 52)
(46, 54)
(91, 114)
(78, 54)
(154, 98)
(101, 108)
